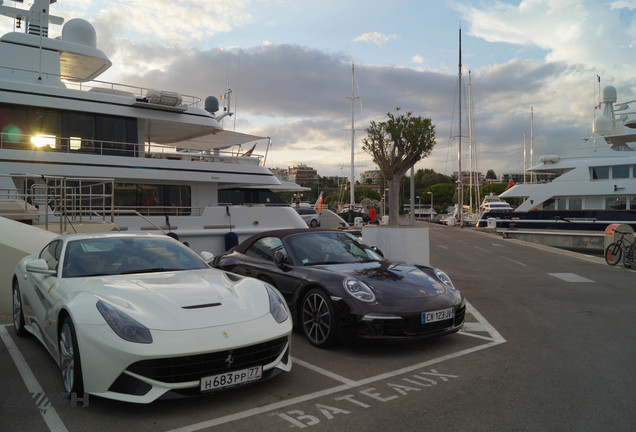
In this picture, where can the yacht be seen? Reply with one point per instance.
(593, 187)
(493, 203)
(77, 153)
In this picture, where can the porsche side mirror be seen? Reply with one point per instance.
(279, 260)
(39, 266)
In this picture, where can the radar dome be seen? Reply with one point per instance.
(211, 104)
(602, 126)
(79, 31)
(609, 94)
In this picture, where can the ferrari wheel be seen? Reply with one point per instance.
(70, 364)
(18, 315)
(319, 320)
(313, 223)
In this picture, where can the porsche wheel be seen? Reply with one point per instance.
(70, 364)
(18, 314)
(319, 320)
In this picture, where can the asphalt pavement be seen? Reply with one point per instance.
(547, 346)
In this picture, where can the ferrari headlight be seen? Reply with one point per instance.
(358, 289)
(126, 327)
(276, 305)
(444, 278)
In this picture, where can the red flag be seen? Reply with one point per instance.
(511, 183)
(249, 152)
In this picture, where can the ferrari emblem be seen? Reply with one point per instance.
(229, 360)
(51, 287)
(225, 334)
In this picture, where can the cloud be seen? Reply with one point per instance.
(376, 38)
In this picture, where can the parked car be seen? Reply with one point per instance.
(133, 316)
(310, 216)
(336, 285)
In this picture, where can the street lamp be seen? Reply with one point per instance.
(431, 215)
(419, 204)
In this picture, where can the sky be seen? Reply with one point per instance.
(289, 65)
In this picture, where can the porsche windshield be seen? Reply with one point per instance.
(330, 248)
(127, 255)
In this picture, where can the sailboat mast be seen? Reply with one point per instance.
(460, 186)
(353, 132)
(532, 178)
(470, 142)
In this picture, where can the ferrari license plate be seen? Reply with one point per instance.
(231, 379)
(440, 315)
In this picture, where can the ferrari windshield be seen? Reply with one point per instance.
(330, 248)
(126, 255)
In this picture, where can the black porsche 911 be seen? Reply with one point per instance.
(337, 285)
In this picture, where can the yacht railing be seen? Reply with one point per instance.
(55, 200)
(51, 143)
(95, 85)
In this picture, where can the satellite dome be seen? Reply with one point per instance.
(609, 94)
(602, 126)
(211, 104)
(79, 31)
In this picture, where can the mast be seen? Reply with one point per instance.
(460, 186)
(532, 143)
(470, 141)
(353, 132)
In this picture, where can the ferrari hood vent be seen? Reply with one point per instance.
(202, 306)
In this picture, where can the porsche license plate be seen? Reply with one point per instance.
(440, 315)
(231, 379)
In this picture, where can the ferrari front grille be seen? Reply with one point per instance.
(193, 367)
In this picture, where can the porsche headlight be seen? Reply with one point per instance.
(358, 289)
(444, 278)
(276, 305)
(126, 327)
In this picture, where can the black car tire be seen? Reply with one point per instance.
(18, 314)
(313, 223)
(318, 319)
(70, 364)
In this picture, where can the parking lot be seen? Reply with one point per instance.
(540, 350)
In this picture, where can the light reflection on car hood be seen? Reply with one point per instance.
(183, 299)
(397, 279)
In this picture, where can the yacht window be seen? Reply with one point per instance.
(600, 173)
(576, 204)
(632, 202)
(615, 203)
(67, 130)
(562, 203)
(620, 172)
(154, 199)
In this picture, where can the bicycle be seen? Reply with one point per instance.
(614, 252)
(629, 257)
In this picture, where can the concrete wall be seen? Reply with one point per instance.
(403, 243)
(17, 240)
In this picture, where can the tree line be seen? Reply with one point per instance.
(442, 187)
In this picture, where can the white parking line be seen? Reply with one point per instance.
(484, 325)
(516, 262)
(325, 372)
(570, 277)
(50, 416)
(54, 422)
